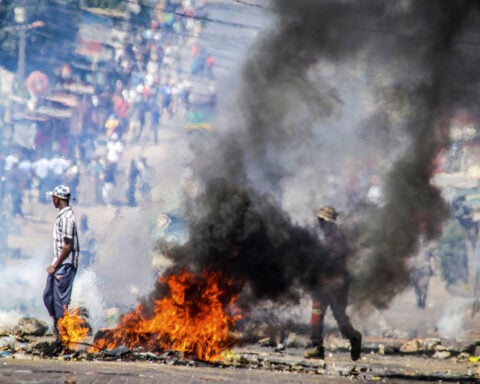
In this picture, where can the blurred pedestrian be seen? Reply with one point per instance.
(209, 63)
(146, 178)
(89, 243)
(422, 269)
(41, 171)
(114, 149)
(133, 174)
(97, 170)
(72, 178)
(464, 214)
(453, 255)
(15, 187)
(167, 98)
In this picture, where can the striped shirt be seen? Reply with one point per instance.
(66, 226)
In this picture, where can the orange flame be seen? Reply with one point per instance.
(72, 329)
(192, 319)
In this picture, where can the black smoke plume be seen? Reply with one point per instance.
(438, 46)
(419, 56)
(247, 236)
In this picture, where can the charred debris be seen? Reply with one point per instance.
(257, 348)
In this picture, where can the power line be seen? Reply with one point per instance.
(244, 26)
(249, 4)
(205, 18)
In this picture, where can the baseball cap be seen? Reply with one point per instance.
(327, 213)
(62, 192)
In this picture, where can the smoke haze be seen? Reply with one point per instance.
(333, 95)
(335, 90)
(25, 299)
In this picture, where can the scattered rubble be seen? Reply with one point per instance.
(28, 326)
(382, 359)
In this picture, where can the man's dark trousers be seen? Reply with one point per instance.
(58, 290)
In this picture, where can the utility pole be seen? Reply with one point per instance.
(19, 13)
(21, 27)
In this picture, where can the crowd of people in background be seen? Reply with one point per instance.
(144, 86)
(454, 255)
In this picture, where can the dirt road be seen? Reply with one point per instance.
(288, 367)
(133, 373)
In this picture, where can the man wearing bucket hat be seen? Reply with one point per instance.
(333, 290)
(61, 272)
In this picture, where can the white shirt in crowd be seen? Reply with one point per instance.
(114, 150)
(41, 167)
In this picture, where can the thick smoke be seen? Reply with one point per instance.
(253, 242)
(437, 50)
(334, 88)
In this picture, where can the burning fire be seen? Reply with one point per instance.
(72, 328)
(191, 319)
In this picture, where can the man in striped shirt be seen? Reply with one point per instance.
(66, 250)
